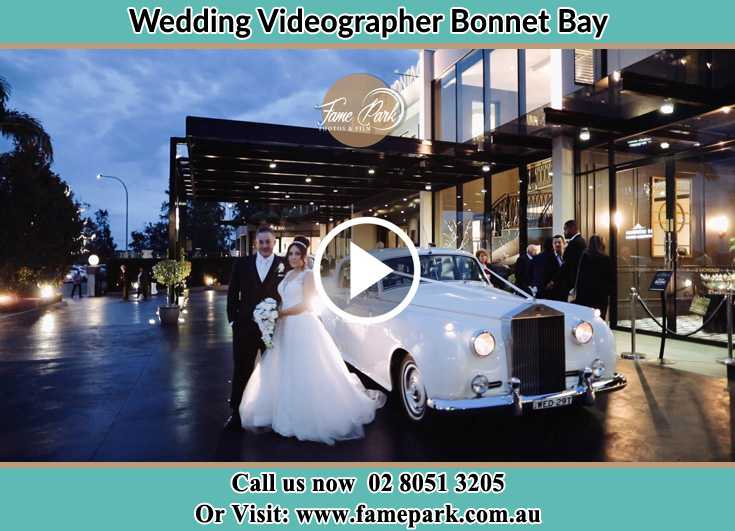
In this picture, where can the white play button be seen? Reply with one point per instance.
(365, 270)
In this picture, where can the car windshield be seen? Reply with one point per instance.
(440, 267)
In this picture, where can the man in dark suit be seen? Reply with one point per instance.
(254, 278)
(524, 268)
(572, 254)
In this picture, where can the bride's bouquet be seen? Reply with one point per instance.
(265, 315)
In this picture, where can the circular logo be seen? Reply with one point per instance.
(359, 110)
(369, 266)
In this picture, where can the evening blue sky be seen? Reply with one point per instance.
(113, 111)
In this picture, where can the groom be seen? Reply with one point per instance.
(254, 278)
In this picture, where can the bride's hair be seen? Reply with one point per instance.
(300, 248)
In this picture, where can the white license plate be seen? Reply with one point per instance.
(549, 403)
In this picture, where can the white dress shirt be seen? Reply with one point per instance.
(263, 265)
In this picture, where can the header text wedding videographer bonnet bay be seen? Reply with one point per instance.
(278, 20)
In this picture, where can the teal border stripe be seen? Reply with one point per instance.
(594, 497)
(81, 22)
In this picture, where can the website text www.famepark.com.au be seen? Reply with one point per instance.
(410, 517)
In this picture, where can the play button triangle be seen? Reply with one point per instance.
(365, 270)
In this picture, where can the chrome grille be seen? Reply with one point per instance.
(538, 353)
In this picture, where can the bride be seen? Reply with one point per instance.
(301, 386)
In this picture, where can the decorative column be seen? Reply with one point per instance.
(426, 220)
(426, 67)
(562, 166)
(562, 147)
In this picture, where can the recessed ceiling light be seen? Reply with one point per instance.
(335, 190)
(272, 165)
(667, 107)
(665, 145)
(308, 179)
(486, 168)
(257, 187)
(427, 187)
(288, 196)
(371, 171)
(311, 202)
(584, 135)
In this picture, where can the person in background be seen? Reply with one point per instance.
(76, 278)
(484, 259)
(504, 271)
(124, 282)
(524, 268)
(595, 281)
(546, 270)
(573, 252)
(559, 244)
(143, 284)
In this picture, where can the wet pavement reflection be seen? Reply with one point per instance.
(94, 380)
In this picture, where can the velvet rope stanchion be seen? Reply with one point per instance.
(633, 354)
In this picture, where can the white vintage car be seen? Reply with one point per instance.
(463, 344)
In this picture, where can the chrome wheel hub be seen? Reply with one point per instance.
(414, 394)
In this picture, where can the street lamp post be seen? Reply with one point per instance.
(100, 176)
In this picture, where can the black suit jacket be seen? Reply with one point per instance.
(546, 269)
(246, 290)
(524, 272)
(572, 254)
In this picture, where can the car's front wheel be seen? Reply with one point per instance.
(412, 391)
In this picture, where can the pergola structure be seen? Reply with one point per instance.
(317, 177)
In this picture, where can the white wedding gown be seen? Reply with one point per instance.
(301, 386)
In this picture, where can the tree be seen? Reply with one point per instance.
(204, 226)
(154, 237)
(26, 133)
(97, 237)
(40, 223)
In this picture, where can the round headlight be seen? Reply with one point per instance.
(598, 368)
(479, 384)
(583, 332)
(483, 343)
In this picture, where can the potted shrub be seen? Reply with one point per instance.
(173, 274)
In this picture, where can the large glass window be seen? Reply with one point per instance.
(504, 214)
(471, 117)
(503, 94)
(473, 210)
(640, 200)
(445, 218)
(538, 78)
(445, 107)
(540, 209)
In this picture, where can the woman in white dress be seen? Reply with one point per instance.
(301, 386)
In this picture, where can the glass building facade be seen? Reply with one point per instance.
(663, 197)
(660, 194)
(477, 94)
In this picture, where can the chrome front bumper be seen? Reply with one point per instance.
(587, 389)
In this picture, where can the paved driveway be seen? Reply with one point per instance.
(93, 380)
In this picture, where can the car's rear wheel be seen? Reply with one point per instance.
(412, 393)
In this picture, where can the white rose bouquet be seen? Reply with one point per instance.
(265, 315)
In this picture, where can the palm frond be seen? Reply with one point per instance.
(4, 93)
(26, 132)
